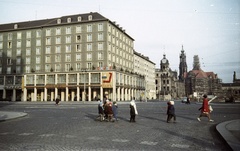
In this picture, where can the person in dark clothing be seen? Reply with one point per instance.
(133, 110)
(109, 111)
(100, 110)
(188, 100)
(57, 101)
(132, 114)
(171, 112)
(115, 110)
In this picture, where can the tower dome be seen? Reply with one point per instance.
(164, 60)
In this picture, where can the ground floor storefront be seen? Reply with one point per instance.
(79, 86)
(79, 94)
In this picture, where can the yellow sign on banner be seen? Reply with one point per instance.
(107, 79)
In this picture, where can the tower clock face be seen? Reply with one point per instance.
(164, 61)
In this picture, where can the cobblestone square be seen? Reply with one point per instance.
(73, 126)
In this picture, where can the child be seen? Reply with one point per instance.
(171, 111)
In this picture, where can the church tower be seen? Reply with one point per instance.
(182, 65)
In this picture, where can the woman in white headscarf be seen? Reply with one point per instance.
(133, 110)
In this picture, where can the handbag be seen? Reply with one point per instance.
(210, 108)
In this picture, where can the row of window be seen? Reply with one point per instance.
(68, 40)
(58, 31)
(58, 40)
(69, 20)
(58, 49)
(72, 78)
(48, 59)
(57, 58)
(48, 68)
(68, 47)
(68, 30)
(68, 58)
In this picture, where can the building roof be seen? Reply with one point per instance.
(200, 74)
(53, 22)
(212, 75)
(144, 57)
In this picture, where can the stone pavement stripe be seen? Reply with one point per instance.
(47, 135)
(149, 143)
(25, 134)
(120, 140)
(5, 133)
(94, 138)
(180, 146)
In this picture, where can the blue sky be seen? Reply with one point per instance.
(207, 28)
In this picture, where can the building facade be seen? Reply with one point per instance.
(231, 91)
(167, 83)
(143, 66)
(77, 57)
(199, 82)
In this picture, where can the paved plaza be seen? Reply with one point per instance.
(73, 126)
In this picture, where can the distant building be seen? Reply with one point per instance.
(199, 82)
(231, 90)
(143, 66)
(235, 80)
(167, 83)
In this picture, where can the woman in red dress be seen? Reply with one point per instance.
(205, 109)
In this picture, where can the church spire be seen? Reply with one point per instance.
(196, 63)
(182, 65)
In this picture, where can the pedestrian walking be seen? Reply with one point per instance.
(104, 99)
(171, 111)
(109, 111)
(115, 110)
(133, 110)
(100, 110)
(188, 100)
(57, 101)
(205, 112)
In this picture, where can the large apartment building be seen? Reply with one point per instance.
(77, 57)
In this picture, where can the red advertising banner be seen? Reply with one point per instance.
(107, 79)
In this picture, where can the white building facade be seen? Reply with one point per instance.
(145, 67)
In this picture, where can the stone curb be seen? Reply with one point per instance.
(225, 129)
